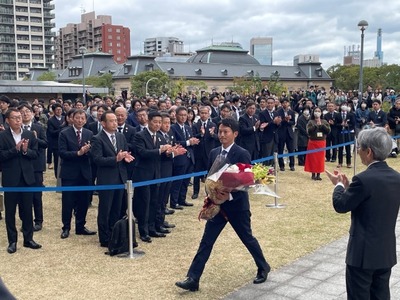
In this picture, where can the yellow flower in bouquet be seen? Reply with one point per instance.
(263, 174)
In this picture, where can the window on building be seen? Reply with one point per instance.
(109, 30)
(118, 38)
(118, 44)
(117, 30)
(110, 44)
(110, 37)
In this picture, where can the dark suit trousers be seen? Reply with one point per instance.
(267, 149)
(201, 165)
(37, 199)
(108, 212)
(240, 222)
(78, 200)
(179, 187)
(145, 206)
(364, 284)
(163, 195)
(344, 138)
(55, 165)
(289, 145)
(24, 202)
(331, 140)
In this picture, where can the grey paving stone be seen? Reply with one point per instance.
(289, 291)
(317, 274)
(330, 288)
(279, 276)
(272, 296)
(304, 282)
(315, 295)
(329, 267)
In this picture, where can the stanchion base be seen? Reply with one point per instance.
(136, 254)
(276, 205)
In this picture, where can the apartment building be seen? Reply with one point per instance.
(26, 39)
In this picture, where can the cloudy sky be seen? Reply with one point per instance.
(322, 27)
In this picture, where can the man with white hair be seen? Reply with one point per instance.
(372, 198)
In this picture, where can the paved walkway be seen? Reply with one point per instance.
(317, 276)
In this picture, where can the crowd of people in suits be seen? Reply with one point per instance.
(105, 141)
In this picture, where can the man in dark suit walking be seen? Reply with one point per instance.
(18, 150)
(39, 164)
(205, 131)
(110, 153)
(74, 147)
(236, 211)
(373, 199)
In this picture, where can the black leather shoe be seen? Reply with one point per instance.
(12, 248)
(168, 225)
(261, 277)
(169, 211)
(163, 230)
(195, 196)
(146, 239)
(186, 204)
(1, 217)
(292, 168)
(282, 169)
(85, 231)
(37, 227)
(65, 234)
(188, 284)
(156, 234)
(32, 244)
(176, 206)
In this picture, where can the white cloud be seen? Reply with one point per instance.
(297, 27)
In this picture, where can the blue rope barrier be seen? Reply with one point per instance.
(155, 181)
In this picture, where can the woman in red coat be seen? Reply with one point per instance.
(317, 129)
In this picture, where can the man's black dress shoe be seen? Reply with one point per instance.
(195, 196)
(186, 204)
(188, 284)
(65, 234)
(85, 231)
(168, 225)
(146, 239)
(163, 230)
(176, 206)
(169, 211)
(292, 169)
(1, 217)
(156, 234)
(32, 244)
(12, 248)
(282, 169)
(37, 227)
(261, 277)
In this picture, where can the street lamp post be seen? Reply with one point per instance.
(147, 83)
(362, 25)
(82, 50)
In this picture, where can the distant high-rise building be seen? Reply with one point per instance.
(261, 49)
(26, 39)
(305, 58)
(379, 52)
(159, 46)
(96, 34)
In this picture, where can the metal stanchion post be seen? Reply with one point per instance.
(276, 204)
(355, 155)
(132, 253)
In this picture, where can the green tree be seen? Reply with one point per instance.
(47, 76)
(157, 86)
(275, 86)
(247, 85)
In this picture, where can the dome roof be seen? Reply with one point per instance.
(226, 53)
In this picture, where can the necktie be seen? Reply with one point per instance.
(184, 131)
(224, 153)
(26, 127)
(78, 135)
(98, 127)
(271, 114)
(204, 125)
(154, 139)
(120, 129)
(343, 116)
(166, 137)
(114, 142)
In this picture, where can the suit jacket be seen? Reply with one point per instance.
(54, 127)
(129, 133)
(72, 165)
(109, 171)
(379, 119)
(207, 141)
(167, 161)
(248, 137)
(94, 127)
(15, 164)
(285, 129)
(39, 165)
(181, 139)
(237, 154)
(269, 132)
(336, 127)
(214, 112)
(147, 165)
(373, 199)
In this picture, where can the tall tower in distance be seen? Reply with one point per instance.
(379, 52)
(261, 49)
(26, 39)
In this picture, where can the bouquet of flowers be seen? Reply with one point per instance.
(225, 178)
